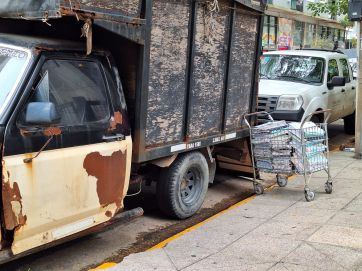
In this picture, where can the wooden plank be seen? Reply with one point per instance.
(168, 60)
(126, 7)
(241, 72)
(209, 70)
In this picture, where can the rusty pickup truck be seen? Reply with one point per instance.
(155, 90)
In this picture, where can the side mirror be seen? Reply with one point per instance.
(41, 114)
(337, 81)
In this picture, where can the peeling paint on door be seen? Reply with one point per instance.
(116, 119)
(12, 203)
(110, 173)
(56, 196)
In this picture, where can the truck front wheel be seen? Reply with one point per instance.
(182, 187)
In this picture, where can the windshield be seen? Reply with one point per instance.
(302, 69)
(12, 66)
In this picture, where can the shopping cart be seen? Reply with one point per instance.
(290, 148)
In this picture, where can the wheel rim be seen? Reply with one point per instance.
(190, 186)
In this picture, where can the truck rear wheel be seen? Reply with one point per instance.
(182, 187)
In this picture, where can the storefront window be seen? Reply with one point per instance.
(310, 33)
(298, 34)
(285, 39)
(269, 33)
(342, 35)
(296, 5)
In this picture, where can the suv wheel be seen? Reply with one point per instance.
(349, 123)
(317, 118)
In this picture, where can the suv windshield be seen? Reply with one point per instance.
(12, 65)
(304, 69)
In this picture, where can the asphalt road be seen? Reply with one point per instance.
(144, 232)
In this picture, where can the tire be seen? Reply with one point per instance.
(328, 187)
(349, 124)
(258, 189)
(316, 119)
(282, 181)
(309, 195)
(182, 187)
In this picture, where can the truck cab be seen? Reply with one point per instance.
(66, 141)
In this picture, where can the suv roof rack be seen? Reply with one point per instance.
(324, 50)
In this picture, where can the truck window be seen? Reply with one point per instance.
(76, 88)
(345, 69)
(12, 66)
(332, 69)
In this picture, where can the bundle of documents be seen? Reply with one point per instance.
(310, 130)
(270, 132)
(272, 150)
(312, 164)
(309, 148)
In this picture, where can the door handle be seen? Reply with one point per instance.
(111, 138)
(29, 160)
(353, 88)
(343, 90)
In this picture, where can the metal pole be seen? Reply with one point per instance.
(358, 138)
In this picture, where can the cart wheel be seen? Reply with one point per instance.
(328, 188)
(282, 181)
(258, 188)
(309, 195)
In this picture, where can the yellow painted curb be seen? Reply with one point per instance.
(174, 237)
(103, 266)
(168, 240)
(194, 227)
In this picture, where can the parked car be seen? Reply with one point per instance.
(295, 83)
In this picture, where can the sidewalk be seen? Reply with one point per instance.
(275, 231)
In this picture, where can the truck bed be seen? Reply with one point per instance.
(189, 68)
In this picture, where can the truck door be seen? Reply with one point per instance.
(349, 91)
(334, 94)
(65, 166)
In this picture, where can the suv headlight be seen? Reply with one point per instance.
(289, 102)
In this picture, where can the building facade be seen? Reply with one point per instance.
(289, 24)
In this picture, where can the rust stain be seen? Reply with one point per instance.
(110, 172)
(24, 132)
(115, 120)
(12, 195)
(52, 131)
(109, 214)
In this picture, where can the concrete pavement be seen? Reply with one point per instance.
(278, 230)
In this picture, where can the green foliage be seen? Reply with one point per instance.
(331, 7)
(346, 22)
(354, 42)
(323, 43)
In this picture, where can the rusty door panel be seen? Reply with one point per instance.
(64, 191)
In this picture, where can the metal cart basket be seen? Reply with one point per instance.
(287, 148)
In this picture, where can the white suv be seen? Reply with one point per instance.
(296, 83)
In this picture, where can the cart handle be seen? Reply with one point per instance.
(255, 114)
(328, 111)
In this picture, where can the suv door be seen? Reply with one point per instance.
(349, 90)
(81, 176)
(335, 94)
